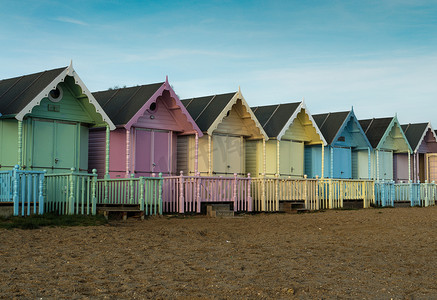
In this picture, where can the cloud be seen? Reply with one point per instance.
(71, 21)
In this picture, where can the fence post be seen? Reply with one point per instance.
(392, 193)
(426, 199)
(342, 184)
(234, 193)
(141, 187)
(249, 196)
(331, 193)
(364, 194)
(93, 193)
(276, 192)
(411, 193)
(15, 189)
(41, 197)
(305, 191)
(131, 188)
(71, 198)
(160, 193)
(263, 191)
(198, 203)
(181, 193)
(316, 194)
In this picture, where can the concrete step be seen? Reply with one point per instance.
(219, 210)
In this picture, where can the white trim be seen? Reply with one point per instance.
(60, 78)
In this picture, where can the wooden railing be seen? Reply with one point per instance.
(24, 189)
(71, 193)
(143, 191)
(387, 193)
(316, 194)
(186, 193)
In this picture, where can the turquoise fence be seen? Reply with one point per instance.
(23, 189)
(416, 194)
(71, 193)
(146, 192)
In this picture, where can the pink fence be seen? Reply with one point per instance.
(186, 193)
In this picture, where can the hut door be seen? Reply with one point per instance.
(386, 165)
(234, 156)
(161, 152)
(432, 167)
(291, 158)
(342, 163)
(143, 149)
(152, 153)
(227, 154)
(65, 147)
(54, 145)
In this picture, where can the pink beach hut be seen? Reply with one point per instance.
(148, 120)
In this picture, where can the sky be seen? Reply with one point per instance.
(379, 57)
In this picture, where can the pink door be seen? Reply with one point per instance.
(152, 152)
(143, 142)
(161, 152)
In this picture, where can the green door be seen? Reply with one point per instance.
(65, 148)
(43, 141)
(54, 145)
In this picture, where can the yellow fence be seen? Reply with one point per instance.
(268, 192)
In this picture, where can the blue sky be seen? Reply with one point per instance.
(378, 56)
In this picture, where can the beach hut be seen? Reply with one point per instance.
(228, 124)
(423, 142)
(45, 121)
(149, 118)
(347, 153)
(290, 127)
(388, 140)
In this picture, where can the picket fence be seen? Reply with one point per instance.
(81, 193)
(71, 193)
(146, 192)
(388, 193)
(24, 189)
(316, 194)
(185, 194)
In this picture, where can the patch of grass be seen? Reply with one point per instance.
(52, 220)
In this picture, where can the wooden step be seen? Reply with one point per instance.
(292, 207)
(123, 209)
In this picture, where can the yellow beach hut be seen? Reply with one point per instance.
(227, 123)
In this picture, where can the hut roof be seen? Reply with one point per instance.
(17, 92)
(122, 104)
(330, 124)
(273, 118)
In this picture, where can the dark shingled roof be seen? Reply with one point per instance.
(414, 133)
(273, 118)
(205, 110)
(330, 123)
(16, 93)
(375, 129)
(122, 104)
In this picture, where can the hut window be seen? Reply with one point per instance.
(152, 107)
(341, 139)
(55, 95)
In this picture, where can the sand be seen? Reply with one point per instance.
(369, 253)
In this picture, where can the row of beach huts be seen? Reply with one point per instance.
(142, 149)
